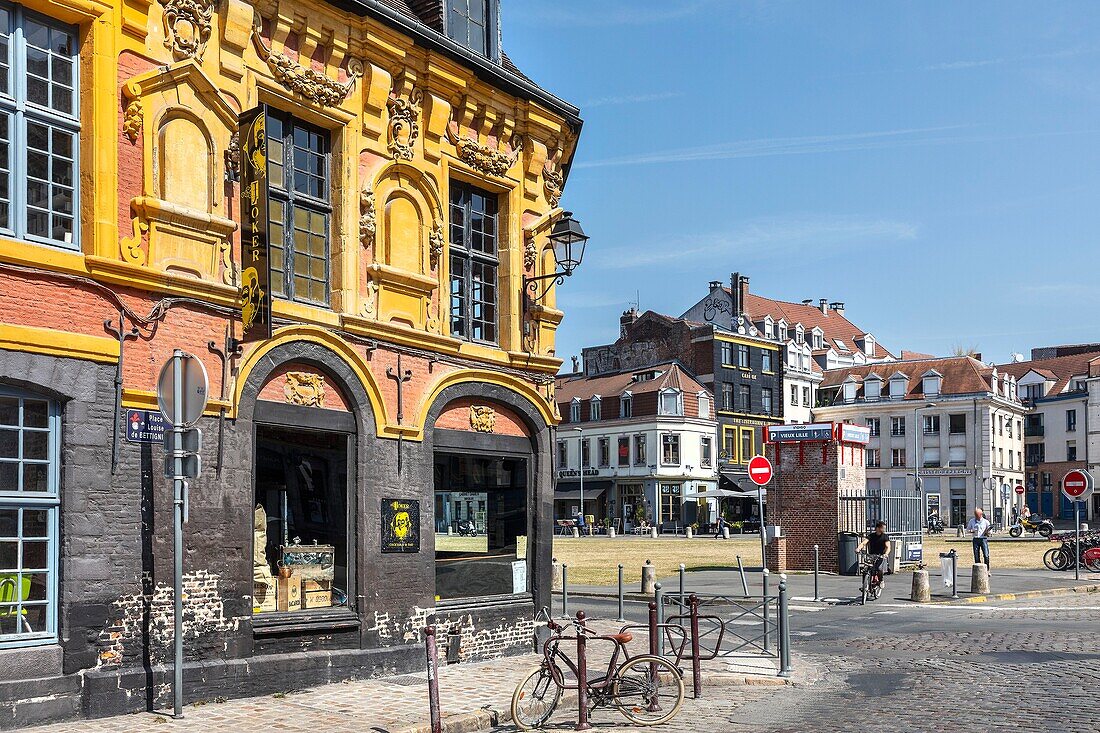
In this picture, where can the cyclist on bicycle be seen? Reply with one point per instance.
(877, 544)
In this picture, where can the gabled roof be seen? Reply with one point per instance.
(961, 375)
(833, 326)
(1060, 369)
(609, 386)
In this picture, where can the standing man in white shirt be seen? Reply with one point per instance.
(979, 527)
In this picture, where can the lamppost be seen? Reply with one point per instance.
(580, 460)
(568, 240)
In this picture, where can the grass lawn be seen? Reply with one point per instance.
(595, 560)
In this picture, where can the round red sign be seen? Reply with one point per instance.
(1075, 484)
(760, 470)
(1019, 489)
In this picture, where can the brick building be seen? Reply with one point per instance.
(412, 177)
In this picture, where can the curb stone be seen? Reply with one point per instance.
(1023, 595)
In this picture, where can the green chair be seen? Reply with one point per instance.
(8, 583)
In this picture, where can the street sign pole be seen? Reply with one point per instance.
(1077, 541)
(177, 482)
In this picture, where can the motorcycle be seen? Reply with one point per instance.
(935, 524)
(467, 528)
(1033, 524)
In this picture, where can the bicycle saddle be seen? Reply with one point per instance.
(622, 638)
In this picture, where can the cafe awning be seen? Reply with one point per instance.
(589, 494)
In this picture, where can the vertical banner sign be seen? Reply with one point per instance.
(255, 270)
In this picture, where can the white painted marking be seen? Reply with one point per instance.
(811, 609)
(883, 613)
(803, 633)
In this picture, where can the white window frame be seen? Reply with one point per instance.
(575, 410)
(595, 409)
(662, 407)
(672, 440)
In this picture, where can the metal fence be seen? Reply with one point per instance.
(728, 625)
(901, 509)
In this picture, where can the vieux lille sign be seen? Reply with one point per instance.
(255, 267)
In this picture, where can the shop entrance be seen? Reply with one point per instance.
(300, 530)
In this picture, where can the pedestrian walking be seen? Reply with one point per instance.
(979, 527)
(718, 527)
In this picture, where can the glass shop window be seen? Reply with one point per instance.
(300, 520)
(29, 505)
(481, 534)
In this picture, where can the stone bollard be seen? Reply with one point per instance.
(979, 578)
(555, 583)
(649, 578)
(922, 593)
(653, 532)
(690, 533)
(576, 533)
(611, 532)
(450, 531)
(725, 533)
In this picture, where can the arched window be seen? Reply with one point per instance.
(29, 504)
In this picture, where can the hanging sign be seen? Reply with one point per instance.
(400, 525)
(255, 269)
(796, 433)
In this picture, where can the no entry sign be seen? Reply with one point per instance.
(760, 470)
(1077, 485)
(1019, 489)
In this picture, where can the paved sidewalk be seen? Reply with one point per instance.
(473, 696)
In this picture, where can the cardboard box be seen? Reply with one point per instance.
(316, 593)
(263, 598)
(290, 594)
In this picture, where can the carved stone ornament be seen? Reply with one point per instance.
(368, 218)
(553, 178)
(370, 299)
(308, 82)
(436, 242)
(187, 27)
(530, 254)
(484, 158)
(131, 121)
(304, 388)
(483, 418)
(404, 123)
(233, 158)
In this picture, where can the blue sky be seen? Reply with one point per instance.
(934, 165)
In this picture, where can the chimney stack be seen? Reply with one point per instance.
(838, 307)
(626, 320)
(714, 285)
(743, 291)
(807, 301)
(824, 305)
(739, 288)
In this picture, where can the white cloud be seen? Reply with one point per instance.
(607, 13)
(764, 238)
(629, 99)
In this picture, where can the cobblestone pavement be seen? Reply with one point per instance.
(1024, 665)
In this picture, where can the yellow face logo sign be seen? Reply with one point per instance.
(402, 525)
(253, 296)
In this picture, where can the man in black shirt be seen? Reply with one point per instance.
(877, 544)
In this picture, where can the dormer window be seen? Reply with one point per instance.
(575, 410)
(818, 338)
(672, 402)
(931, 383)
(626, 405)
(872, 388)
(704, 405)
(472, 23)
(869, 345)
(782, 330)
(850, 386)
(594, 408)
(768, 327)
(799, 334)
(897, 386)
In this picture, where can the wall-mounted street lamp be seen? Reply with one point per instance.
(568, 240)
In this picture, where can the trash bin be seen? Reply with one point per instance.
(846, 553)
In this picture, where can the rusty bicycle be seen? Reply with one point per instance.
(647, 689)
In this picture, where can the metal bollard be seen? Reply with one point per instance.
(696, 663)
(582, 677)
(683, 599)
(564, 591)
(954, 574)
(620, 616)
(654, 636)
(764, 613)
(784, 630)
(817, 570)
(744, 581)
(659, 599)
(433, 680)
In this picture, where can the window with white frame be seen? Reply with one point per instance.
(794, 395)
(727, 352)
(766, 361)
(586, 453)
(818, 339)
(931, 384)
(850, 391)
(897, 426)
(806, 396)
(897, 387)
(799, 334)
(639, 450)
(897, 457)
(1071, 421)
(704, 405)
(563, 454)
(626, 405)
(766, 400)
(604, 447)
(706, 451)
(782, 331)
(670, 449)
(872, 389)
(874, 425)
(743, 356)
(624, 450)
(931, 424)
(39, 128)
(575, 410)
(29, 505)
(594, 408)
(873, 459)
(672, 402)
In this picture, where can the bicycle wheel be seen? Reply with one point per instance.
(1091, 563)
(648, 690)
(535, 699)
(1054, 558)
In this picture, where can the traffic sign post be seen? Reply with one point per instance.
(1077, 485)
(760, 473)
(181, 396)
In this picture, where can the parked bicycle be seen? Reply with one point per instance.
(647, 689)
(871, 571)
(1064, 557)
